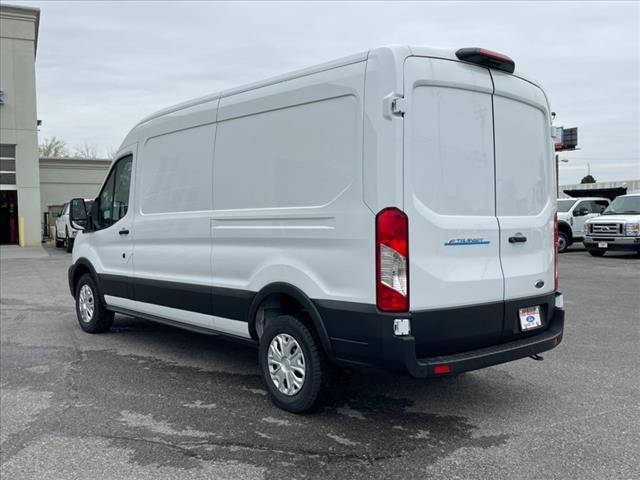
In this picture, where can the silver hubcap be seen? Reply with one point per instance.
(85, 301)
(286, 364)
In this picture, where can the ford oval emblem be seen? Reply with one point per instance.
(539, 284)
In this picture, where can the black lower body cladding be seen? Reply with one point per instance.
(360, 334)
(355, 333)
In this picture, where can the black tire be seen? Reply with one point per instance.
(597, 253)
(68, 242)
(315, 364)
(59, 243)
(563, 242)
(101, 319)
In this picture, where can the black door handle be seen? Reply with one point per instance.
(124, 231)
(518, 239)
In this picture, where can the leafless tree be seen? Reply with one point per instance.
(53, 147)
(86, 151)
(112, 152)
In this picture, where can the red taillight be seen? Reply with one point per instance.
(555, 251)
(392, 260)
(440, 369)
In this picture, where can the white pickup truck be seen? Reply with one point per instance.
(618, 228)
(572, 215)
(65, 233)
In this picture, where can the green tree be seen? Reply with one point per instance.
(588, 179)
(53, 147)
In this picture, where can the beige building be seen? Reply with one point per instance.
(20, 218)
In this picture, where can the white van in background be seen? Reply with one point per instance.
(392, 208)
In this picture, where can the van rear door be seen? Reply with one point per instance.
(449, 197)
(524, 186)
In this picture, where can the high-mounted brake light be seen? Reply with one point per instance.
(487, 58)
(392, 260)
(555, 252)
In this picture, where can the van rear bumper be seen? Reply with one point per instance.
(404, 348)
(463, 338)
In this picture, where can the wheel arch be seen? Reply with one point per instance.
(79, 268)
(288, 290)
(565, 228)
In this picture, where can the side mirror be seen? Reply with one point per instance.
(580, 212)
(78, 214)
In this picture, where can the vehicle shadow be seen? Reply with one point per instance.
(369, 415)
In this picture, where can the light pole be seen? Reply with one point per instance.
(566, 160)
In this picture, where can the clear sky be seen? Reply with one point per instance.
(102, 66)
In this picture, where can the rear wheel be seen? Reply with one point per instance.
(59, 243)
(563, 242)
(292, 365)
(92, 316)
(597, 253)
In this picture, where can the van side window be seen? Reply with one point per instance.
(114, 197)
(121, 189)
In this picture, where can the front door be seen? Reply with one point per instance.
(8, 217)
(592, 209)
(113, 238)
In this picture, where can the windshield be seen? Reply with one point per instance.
(565, 205)
(623, 205)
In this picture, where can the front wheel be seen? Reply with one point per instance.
(292, 365)
(93, 317)
(597, 253)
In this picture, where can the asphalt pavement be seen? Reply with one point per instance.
(147, 401)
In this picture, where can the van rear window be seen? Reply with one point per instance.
(451, 151)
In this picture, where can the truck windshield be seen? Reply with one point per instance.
(623, 205)
(565, 205)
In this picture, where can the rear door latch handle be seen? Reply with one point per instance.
(125, 231)
(518, 239)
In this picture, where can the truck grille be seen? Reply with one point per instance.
(606, 229)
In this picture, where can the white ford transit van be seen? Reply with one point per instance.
(393, 208)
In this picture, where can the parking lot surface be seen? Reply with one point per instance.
(146, 401)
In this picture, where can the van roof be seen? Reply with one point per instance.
(398, 52)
